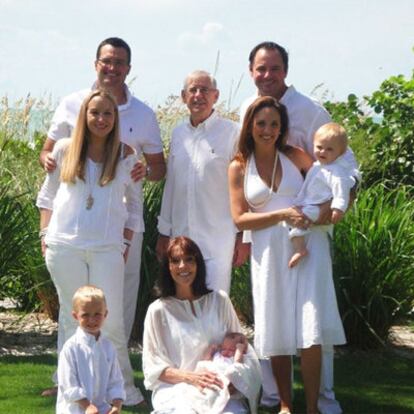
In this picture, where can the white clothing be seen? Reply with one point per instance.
(86, 246)
(174, 337)
(101, 226)
(246, 381)
(137, 122)
(324, 182)
(306, 116)
(301, 300)
(139, 129)
(195, 201)
(70, 268)
(131, 282)
(88, 368)
(328, 181)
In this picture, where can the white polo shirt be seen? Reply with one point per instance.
(138, 123)
(305, 117)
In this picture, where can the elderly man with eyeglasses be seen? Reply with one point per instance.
(196, 202)
(139, 129)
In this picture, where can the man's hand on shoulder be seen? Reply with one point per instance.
(46, 158)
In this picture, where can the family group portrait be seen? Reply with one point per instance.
(225, 250)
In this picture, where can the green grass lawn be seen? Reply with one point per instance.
(370, 382)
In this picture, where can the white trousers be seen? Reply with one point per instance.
(71, 268)
(218, 268)
(131, 282)
(327, 403)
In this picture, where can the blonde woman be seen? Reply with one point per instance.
(85, 225)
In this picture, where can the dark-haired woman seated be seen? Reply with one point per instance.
(181, 325)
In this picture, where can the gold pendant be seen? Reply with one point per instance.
(89, 202)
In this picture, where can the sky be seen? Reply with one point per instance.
(336, 47)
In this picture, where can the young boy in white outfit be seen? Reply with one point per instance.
(89, 377)
(224, 360)
(330, 178)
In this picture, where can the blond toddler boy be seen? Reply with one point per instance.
(331, 177)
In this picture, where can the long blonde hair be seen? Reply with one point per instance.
(74, 160)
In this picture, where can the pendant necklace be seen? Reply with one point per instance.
(91, 167)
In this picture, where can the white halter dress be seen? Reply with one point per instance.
(293, 308)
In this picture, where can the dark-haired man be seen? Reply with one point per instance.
(268, 66)
(139, 129)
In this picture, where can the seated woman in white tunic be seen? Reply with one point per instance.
(294, 309)
(179, 328)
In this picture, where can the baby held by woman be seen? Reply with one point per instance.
(331, 177)
(225, 360)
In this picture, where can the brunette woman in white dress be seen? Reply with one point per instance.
(294, 309)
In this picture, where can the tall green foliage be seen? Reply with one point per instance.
(373, 263)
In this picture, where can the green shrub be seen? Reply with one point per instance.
(381, 131)
(373, 263)
(21, 264)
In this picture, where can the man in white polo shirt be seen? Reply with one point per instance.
(268, 65)
(195, 201)
(138, 128)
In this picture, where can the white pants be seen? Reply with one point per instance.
(327, 404)
(131, 282)
(71, 268)
(218, 268)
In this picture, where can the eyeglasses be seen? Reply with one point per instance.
(116, 63)
(202, 89)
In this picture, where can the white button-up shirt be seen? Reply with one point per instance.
(101, 226)
(196, 201)
(88, 368)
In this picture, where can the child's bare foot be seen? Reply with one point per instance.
(295, 259)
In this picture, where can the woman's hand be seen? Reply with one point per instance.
(295, 218)
(205, 379)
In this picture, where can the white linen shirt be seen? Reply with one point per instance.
(88, 368)
(137, 122)
(195, 201)
(101, 226)
(324, 182)
(175, 337)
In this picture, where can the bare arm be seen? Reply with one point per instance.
(154, 170)
(241, 251)
(247, 220)
(46, 159)
(45, 216)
